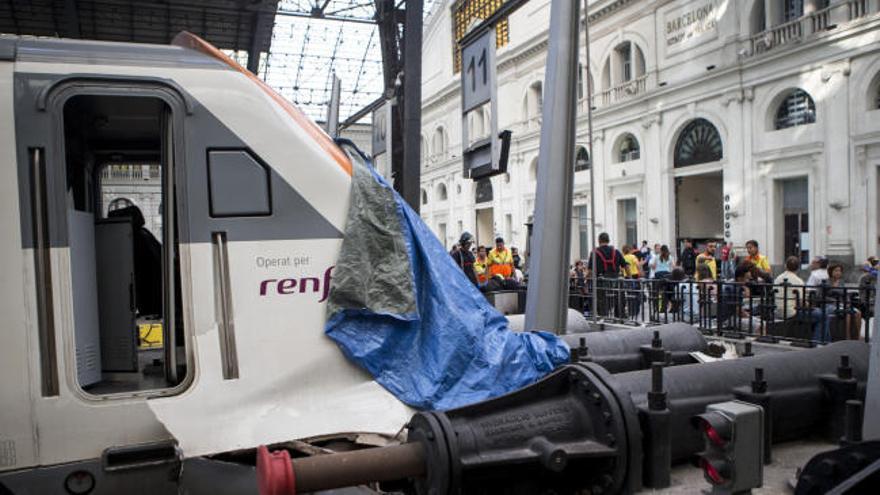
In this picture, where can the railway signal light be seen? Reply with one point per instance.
(732, 459)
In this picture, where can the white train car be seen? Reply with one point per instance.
(253, 203)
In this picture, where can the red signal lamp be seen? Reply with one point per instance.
(716, 427)
(716, 472)
(732, 459)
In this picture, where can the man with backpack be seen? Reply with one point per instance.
(606, 261)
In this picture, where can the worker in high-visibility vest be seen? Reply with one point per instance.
(500, 260)
(480, 266)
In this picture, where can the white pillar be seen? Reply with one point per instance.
(655, 164)
(601, 163)
(738, 159)
(838, 162)
(773, 12)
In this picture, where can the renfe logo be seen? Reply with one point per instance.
(302, 285)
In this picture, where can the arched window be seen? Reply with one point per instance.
(581, 159)
(628, 148)
(424, 197)
(796, 109)
(874, 94)
(581, 89)
(441, 192)
(626, 63)
(423, 152)
(699, 142)
(533, 101)
(483, 192)
(439, 142)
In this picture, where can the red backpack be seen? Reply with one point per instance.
(609, 266)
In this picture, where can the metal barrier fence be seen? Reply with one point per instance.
(771, 312)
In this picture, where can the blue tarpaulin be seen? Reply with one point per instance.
(402, 309)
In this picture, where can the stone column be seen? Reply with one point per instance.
(601, 164)
(654, 163)
(616, 67)
(773, 12)
(833, 115)
(738, 164)
(737, 159)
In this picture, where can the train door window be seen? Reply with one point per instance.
(123, 248)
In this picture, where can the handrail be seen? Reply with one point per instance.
(777, 35)
(796, 313)
(819, 19)
(797, 29)
(43, 273)
(857, 8)
(621, 92)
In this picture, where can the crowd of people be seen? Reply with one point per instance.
(716, 284)
(499, 268)
(721, 286)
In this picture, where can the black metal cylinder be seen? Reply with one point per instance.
(798, 394)
(564, 434)
(757, 394)
(853, 431)
(622, 350)
(656, 433)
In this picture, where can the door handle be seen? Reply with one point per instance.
(43, 272)
(226, 320)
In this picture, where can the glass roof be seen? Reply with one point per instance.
(313, 39)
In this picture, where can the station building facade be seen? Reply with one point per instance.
(713, 119)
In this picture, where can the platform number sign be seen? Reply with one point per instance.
(476, 81)
(483, 156)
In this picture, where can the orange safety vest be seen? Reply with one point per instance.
(500, 263)
(480, 270)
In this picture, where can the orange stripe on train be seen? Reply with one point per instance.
(189, 40)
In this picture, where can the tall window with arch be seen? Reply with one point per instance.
(797, 108)
(423, 148)
(628, 149)
(581, 89)
(581, 159)
(439, 142)
(699, 142)
(441, 192)
(533, 101)
(624, 53)
(626, 62)
(874, 94)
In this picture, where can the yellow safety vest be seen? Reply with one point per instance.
(500, 263)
